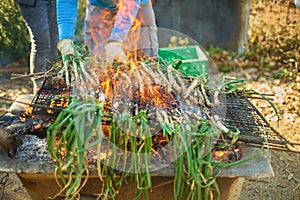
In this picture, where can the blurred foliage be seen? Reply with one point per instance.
(79, 35)
(214, 50)
(280, 74)
(14, 37)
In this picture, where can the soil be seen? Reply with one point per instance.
(259, 73)
(286, 165)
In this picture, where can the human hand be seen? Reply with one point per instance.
(65, 46)
(113, 52)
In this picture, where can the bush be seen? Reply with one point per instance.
(14, 37)
(79, 35)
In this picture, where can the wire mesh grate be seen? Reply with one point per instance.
(236, 111)
(51, 98)
(254, 128)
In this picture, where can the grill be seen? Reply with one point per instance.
(236, 111)
(254, 128)
(51, 98)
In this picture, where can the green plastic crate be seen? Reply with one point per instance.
(194, 61)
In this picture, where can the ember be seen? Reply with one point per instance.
(154, 114)
(136, 118)
(229, 154)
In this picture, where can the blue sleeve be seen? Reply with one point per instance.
(126, 14)
(66, 18)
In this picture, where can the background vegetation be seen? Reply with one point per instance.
(14, 35)
(274, 43)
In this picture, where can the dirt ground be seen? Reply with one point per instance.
(286, 165)
(285, 185)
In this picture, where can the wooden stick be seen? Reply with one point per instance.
(30, 104)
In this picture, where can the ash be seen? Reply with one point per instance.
(32, 149)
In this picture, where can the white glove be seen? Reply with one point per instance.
(65, 46)
(113, 52)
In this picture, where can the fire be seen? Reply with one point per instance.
(105, 85)
(49, 111)
(38, 126)
(58, 103)
(28, 110)
(126, 23)
(230, 154)
(220, 153)
(126, 8)
(135, 85)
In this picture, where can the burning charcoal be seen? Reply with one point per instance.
(227, 153)
(36, 126)
(20, 104)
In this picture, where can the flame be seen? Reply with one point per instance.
(28, 110)
(105, 85)
(126, 18)
(38, 126)
(227, 155)
(220, 153)
(124, 22)
(49, 111)
(126, 11)
(59, 103)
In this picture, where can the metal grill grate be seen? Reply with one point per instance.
(254, 129)
(237, 111)
(51, 98)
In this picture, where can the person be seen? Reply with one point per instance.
(40, 18)
(111, 28)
